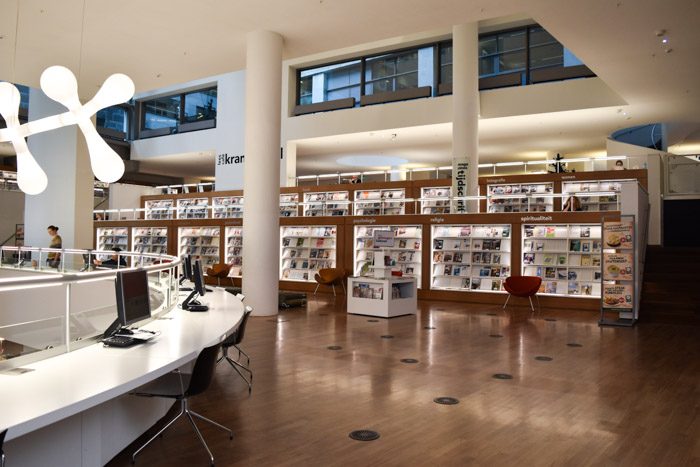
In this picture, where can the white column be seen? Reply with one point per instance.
(465, 112)
(67, 201)
(261, 175)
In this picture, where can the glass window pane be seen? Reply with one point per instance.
(446, 64)
(486, 65)
(511, 41)
(330, 82)
(546, 56)
(570, 59)
(539, 36)
(114, 118)
(200, 105)
(163, 112)
(488, 45)
(512, 61)
(23, 96)
(391, 72)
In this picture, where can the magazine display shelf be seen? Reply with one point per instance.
(234, 250)
(149, 240)
(405, 255)
(470, 257)
(380, 202)
(326, 203)
(306, 249)
(201, 243)
(521, 197)
(566, 256)
(113, 237)
(436, 200)
(159, 209)
(227, 207)
(384, 298)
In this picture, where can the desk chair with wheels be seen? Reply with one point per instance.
(220, 271)
(172, 386)
(523, 286)
(234, 340)
(330, 276)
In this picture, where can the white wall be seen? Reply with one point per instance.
(11, 213)
(125, 196)
(653, 162)
(68, 200)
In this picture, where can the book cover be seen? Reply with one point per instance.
(561, 260)
(575, 245)
(551, 287)
(549, 259)
(550, 273)
(550, 232)
(529, 258)
(586, 260)
(437, 244)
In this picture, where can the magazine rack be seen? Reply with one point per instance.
(385, 298)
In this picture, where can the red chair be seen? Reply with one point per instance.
(523, 286)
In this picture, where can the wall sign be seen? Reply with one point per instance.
(460, 169)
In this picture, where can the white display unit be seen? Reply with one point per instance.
(520, 197)
(595, 203)
(306, 249)
(227, 207)
(149, 240)
(112, 237)
(385, 298)
(405, 254)
(326, 203)
(192, 208)
(436, 200)
(234, 250)
(201, 243)
(470, 257)
(289, 205)
(566, 256)
(380, 202)
(159, 209)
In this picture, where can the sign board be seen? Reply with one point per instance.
(618, 235)
(460, 171)
(618, 266)
(383, 238)
(618, 296)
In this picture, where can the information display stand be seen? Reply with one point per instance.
(385, 298)
(619, 278)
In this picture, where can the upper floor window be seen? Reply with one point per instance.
(113, 118)
(177, 113)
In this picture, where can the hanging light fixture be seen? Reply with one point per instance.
(59, 84)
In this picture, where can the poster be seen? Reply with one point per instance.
(460, 171)
(618, 235)
(617, 296)
(618, 267)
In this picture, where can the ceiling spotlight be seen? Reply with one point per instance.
(664, 40)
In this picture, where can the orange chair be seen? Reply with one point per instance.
(220, 271)
(330, 276)
(523, 286)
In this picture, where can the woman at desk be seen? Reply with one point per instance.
(115, 262)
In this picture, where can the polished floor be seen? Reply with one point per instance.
(608, 396)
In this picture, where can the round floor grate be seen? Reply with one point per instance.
(495, 335)
(334, 347)
(364, 435)
(387, 336)
(446, 400)
(439, 309)
(429, 327)
(543, 358)
(372, 320)
(503, 376)
(491, 314)
(323, 314)
(574, 344)
(550, 319)
(409, 360)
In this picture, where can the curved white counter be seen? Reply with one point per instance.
(87, 384)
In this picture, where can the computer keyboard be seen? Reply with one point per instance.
(120, 341)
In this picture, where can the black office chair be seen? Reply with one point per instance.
(234, 340)
(172, 386)
(2, 452)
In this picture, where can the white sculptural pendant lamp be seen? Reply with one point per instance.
(59, 84)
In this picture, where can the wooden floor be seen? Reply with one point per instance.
(623, 397)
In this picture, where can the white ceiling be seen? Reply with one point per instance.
(165, 42)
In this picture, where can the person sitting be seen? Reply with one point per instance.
(115, 262)
(572, 204)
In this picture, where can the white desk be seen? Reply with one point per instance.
(69, 408)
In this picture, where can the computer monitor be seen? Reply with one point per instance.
(198, 278)
(133, 303)
(190, 303)
(186, 269)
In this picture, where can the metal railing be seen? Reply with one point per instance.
(49, 309)
(382, 206)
